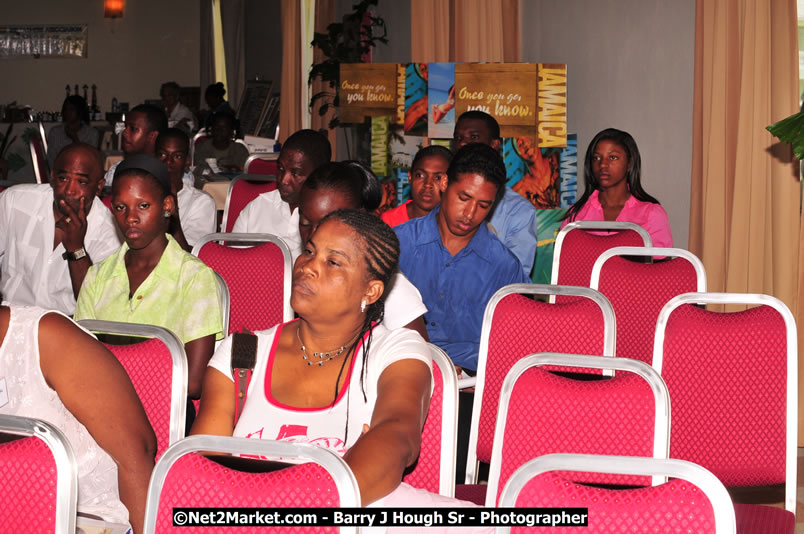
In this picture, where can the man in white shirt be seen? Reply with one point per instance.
(178, 115)
(196, 214)
(144, 123)
(52, 233)
(277, 212)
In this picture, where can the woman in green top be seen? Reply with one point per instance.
(151, 280)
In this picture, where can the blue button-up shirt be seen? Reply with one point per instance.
(456, 288)
(514, 220)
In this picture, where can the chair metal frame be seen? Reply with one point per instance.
(344, 479)
(179, 373)
(609, 344)
(592, 226)
(791, 452)
(248, 178)
(287, 313)
(718, 497)
(198, 135)
(260, 155)
(449, 420)
(66, 465)
(225, 302)
(661, 396)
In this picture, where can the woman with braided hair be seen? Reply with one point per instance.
(337, 377)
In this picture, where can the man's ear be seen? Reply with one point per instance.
(374, 292)
(152, 138)
(496, 144)
(443, 183)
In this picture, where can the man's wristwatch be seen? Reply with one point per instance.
(75, 255)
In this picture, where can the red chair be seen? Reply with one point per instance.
(638, 291)
(543, 413)
(258, 277)
(40, 478)
(243, 190)
(579, 244)
(515, 326)
(184, 478)
(733, 380)
(693, 501)
(199, 137)
(434, 470)
(259, 164)
(39, 159)
(157, 368)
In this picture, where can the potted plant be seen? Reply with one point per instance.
(348, 41)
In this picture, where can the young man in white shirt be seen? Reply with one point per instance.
(52, 233)
(196, 215)
(277, 212)
(144, 123)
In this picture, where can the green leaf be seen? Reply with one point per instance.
(15, 162)
(791, 130)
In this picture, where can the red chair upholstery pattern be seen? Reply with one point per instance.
(549, 414)
(243, 192)
(726, 373)
(677, 506)
(426, 473)
(149, 365)
(257, 165)
(638, 292)
(28, 492)
(522, 326)
(196, 481)
(580, 249)
(255, 277)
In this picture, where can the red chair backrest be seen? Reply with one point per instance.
(255, 277)
(28, 491)
(196, 481)
(580, 248)
(638, 292)
(434, 470)
(549, 414)
(522, 326)
(149, 365)
(268, 167)
(727, 376)
(39, 159)
(243, 192)
(676, 506)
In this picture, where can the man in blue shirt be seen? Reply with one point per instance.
(454, 260)
(514, 217)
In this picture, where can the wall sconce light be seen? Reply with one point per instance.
(113, 9)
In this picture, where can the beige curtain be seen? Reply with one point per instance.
(290, 101)
(464, 30)
(744, 216)
(207, 49)
(233, 19)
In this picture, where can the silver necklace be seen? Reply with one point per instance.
(322, 356)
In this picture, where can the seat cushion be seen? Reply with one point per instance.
(475, 493)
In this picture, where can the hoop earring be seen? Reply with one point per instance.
(363, 306)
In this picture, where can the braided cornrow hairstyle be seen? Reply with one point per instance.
(381, 247)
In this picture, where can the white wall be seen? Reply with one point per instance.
(128, 58)
(630, 66)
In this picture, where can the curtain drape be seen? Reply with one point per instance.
(233, 18)
(207, 49)
(465, 30)
(744, 205)
(290, 101)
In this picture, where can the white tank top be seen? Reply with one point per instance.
(30, 396)
(265, 418)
